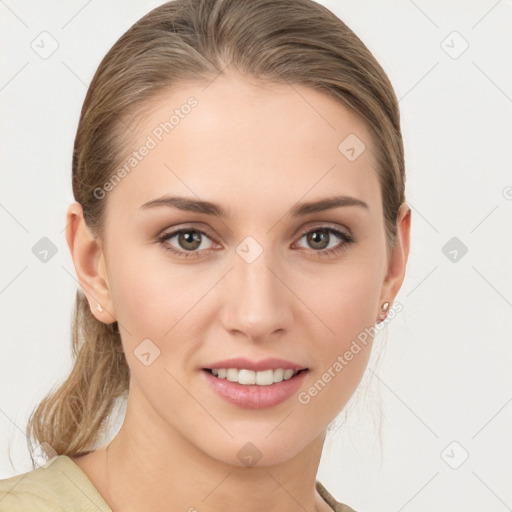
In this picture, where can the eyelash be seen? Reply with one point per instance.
(346, 238)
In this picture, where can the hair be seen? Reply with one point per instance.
(193, 41)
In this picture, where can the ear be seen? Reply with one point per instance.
(88, 258)
(398, 258)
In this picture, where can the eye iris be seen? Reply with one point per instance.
(318, 236)
(189, 237)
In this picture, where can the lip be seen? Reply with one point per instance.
(254, 396)
(241, 363)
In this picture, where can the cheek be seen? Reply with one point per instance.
(344, 305)
(344, 299)
(159, 300)
(147, 291)
(342, 349)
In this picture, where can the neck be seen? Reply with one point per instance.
(148, 471)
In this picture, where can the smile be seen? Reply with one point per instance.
(251, 389)
(251, 377)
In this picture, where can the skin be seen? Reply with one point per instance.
(257, 150)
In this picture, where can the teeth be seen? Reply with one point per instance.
(248, 377)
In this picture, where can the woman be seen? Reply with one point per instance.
(239, 223)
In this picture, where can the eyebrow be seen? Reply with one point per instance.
(209, 208)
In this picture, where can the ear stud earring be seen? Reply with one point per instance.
(384, 308)
(99, 308)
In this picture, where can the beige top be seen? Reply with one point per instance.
(61, 485)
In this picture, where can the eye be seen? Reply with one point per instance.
(189, 239)
(320, 239)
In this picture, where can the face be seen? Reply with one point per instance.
(264, 280)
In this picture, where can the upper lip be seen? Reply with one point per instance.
(271, 363)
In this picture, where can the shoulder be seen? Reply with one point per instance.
(59, 485)
(331, 501)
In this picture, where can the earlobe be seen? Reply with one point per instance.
(87, 254)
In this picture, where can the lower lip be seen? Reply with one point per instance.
(254, 396)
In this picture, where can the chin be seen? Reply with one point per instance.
(256, 448)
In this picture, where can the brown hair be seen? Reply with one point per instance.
(182, 41)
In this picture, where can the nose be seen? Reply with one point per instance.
(256, 301)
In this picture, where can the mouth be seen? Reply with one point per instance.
(248, 377)
(259, 388)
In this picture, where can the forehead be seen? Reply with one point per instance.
(246, 144)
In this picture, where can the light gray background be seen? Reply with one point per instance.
(444, 374)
